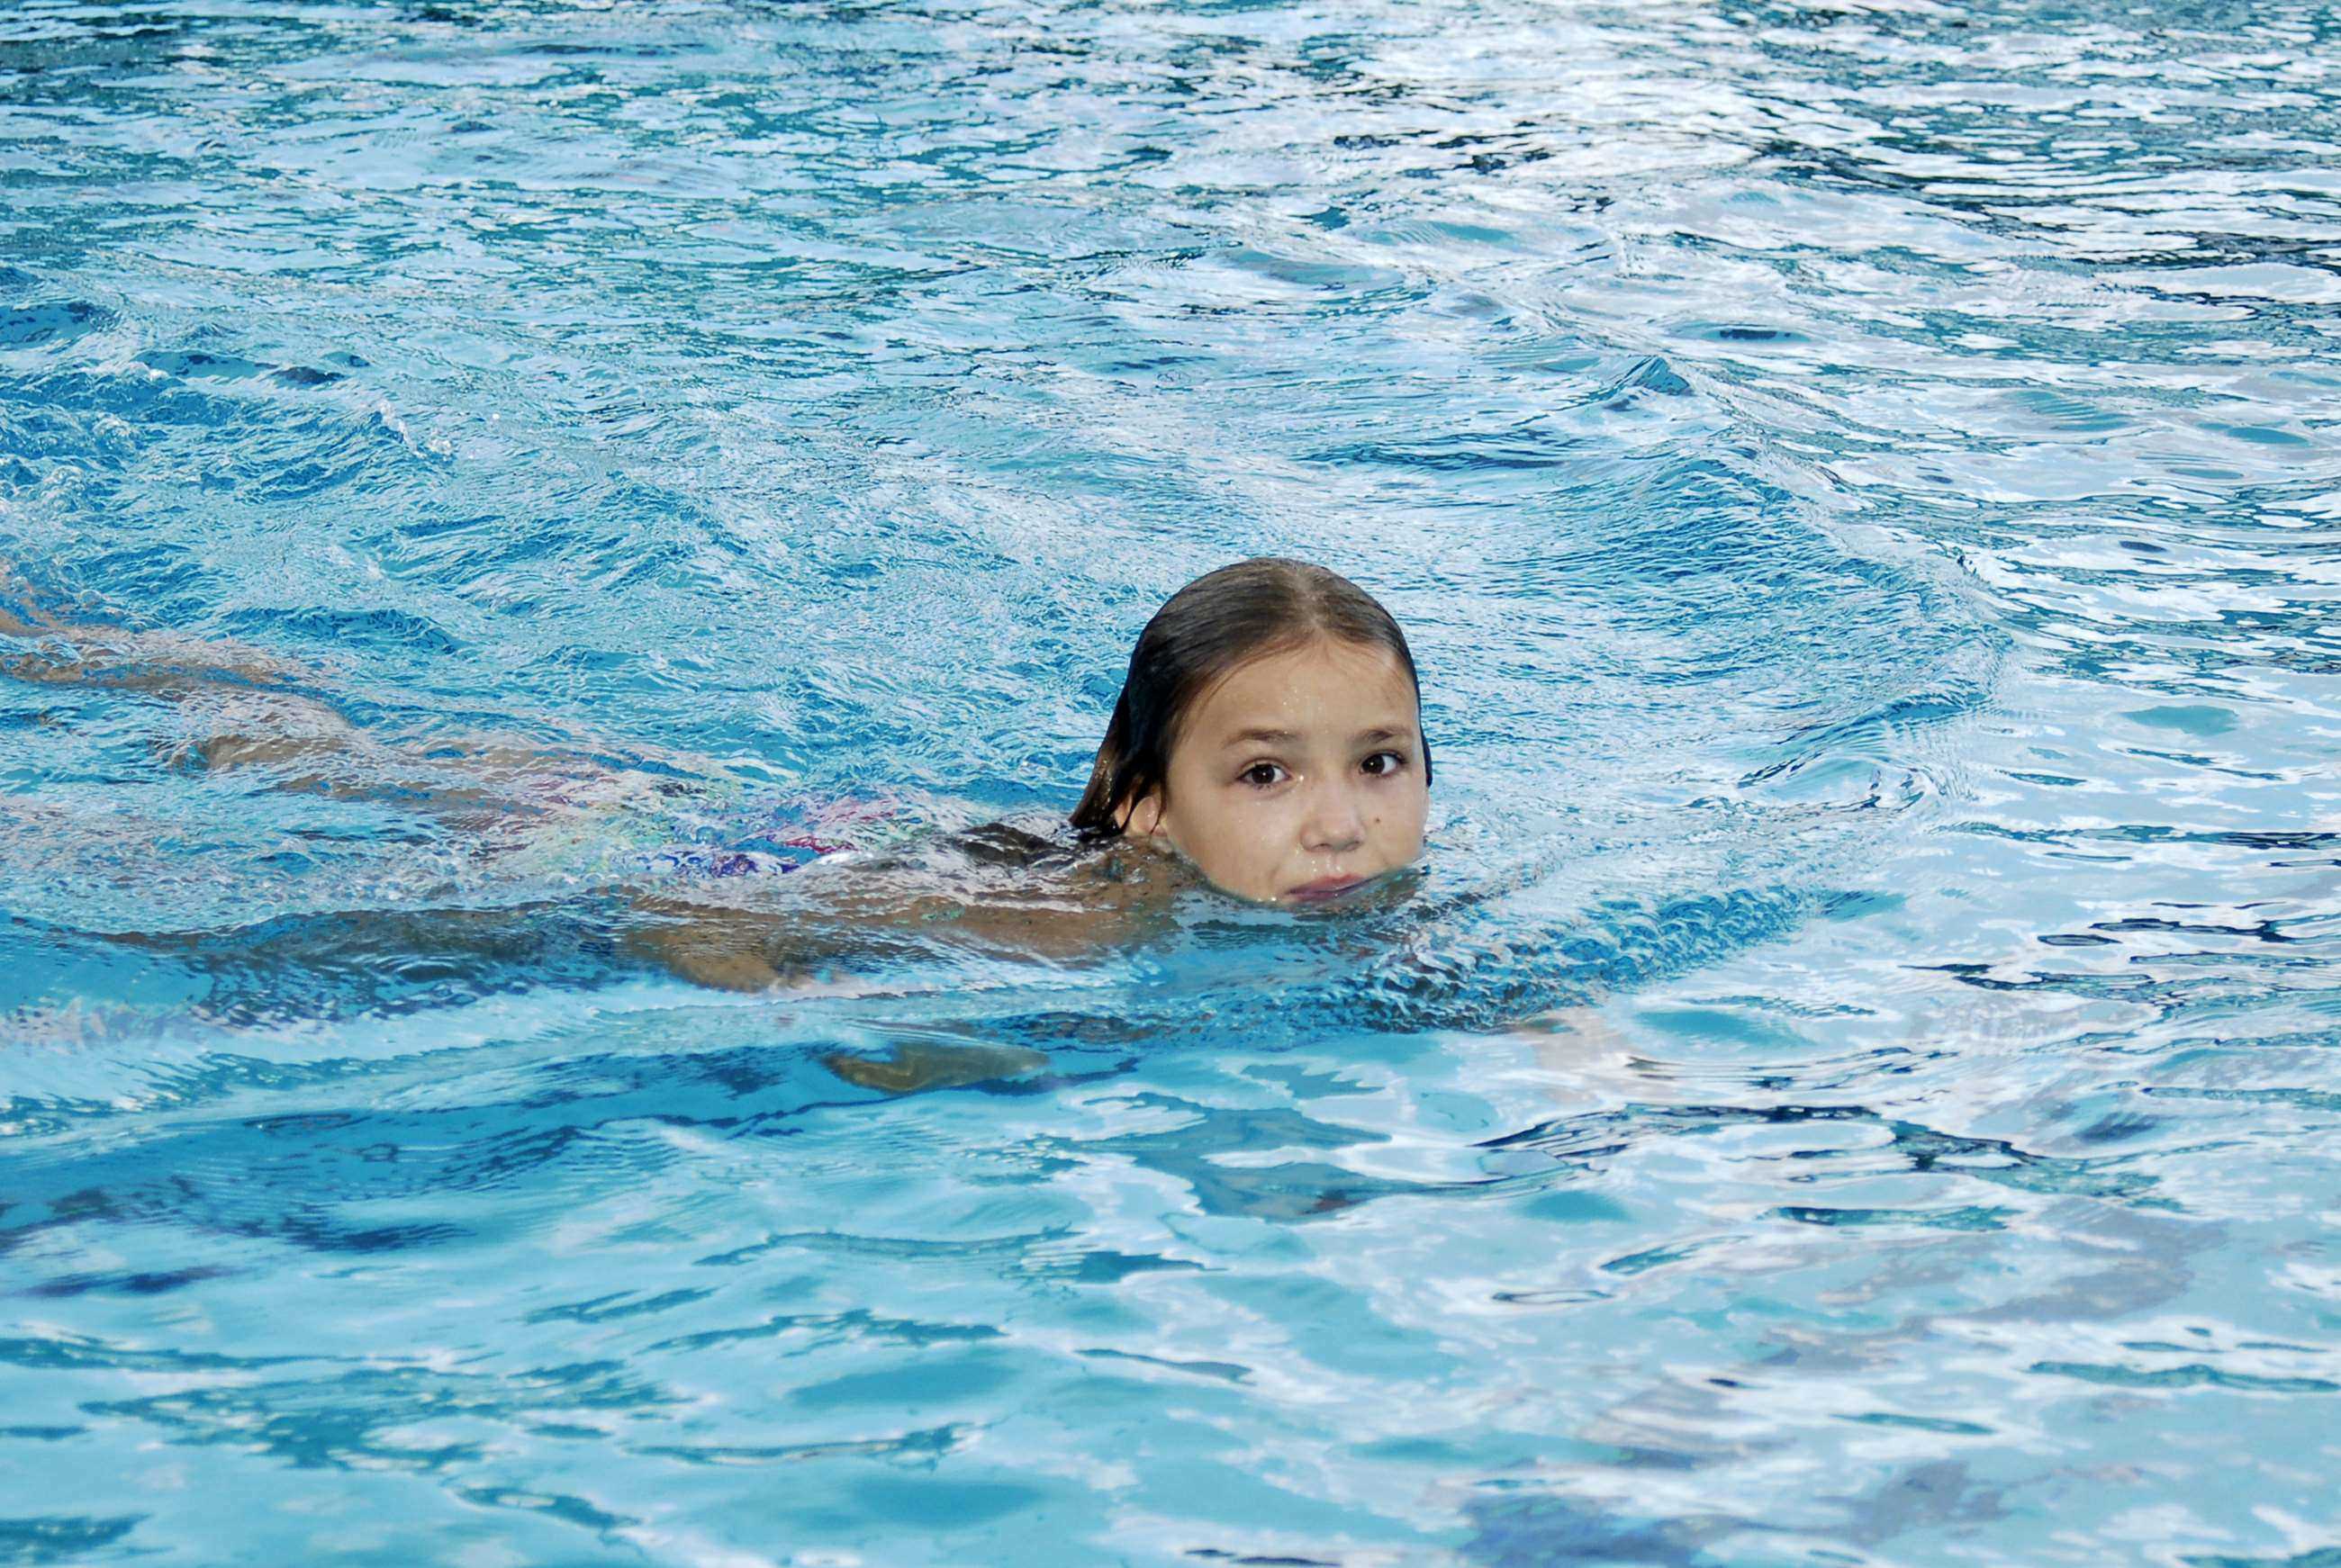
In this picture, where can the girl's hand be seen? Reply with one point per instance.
(916, 1065)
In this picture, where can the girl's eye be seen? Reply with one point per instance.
(1261, 775)
(1383, 762)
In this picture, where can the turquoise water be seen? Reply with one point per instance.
(1857, 1084)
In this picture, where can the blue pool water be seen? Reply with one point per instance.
(1858, 1083)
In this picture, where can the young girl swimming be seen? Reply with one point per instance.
(1270, 732)
(1268, 739)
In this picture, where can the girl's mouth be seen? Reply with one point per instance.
(1329, 888)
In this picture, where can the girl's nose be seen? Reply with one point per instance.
(1334, 824)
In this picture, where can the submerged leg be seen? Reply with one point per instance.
(59, 652)
(253, 713)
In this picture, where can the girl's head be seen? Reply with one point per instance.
(1271, 731)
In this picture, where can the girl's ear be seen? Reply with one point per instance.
(1142, 818)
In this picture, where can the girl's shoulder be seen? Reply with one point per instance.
(870, 844)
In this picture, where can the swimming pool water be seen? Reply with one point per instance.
(1857, 1084)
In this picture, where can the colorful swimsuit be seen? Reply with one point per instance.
(627, 825)
(769, 839)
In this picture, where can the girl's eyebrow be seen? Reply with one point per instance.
(1287, 737)
(1261, 737)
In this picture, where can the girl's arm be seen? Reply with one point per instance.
(1061, 915)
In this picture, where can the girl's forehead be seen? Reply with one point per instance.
(1325, 683)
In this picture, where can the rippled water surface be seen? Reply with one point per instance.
(1858, 1083)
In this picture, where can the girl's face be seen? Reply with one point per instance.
(1297, 777)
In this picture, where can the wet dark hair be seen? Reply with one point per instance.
(1221, 620)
